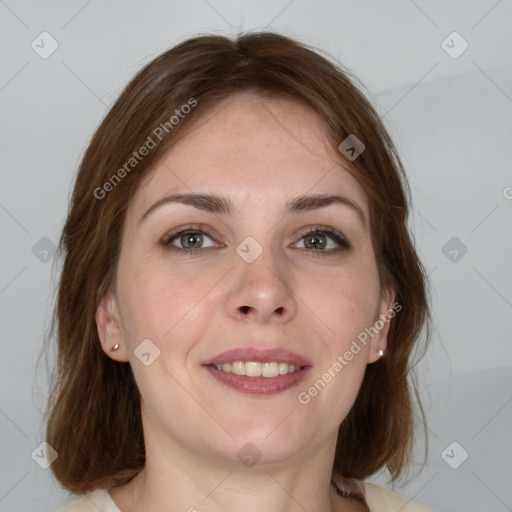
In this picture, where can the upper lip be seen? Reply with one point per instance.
(258, 355)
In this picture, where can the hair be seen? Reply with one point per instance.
(92, 416)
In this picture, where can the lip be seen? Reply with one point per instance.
(258, 385)
(258, 356)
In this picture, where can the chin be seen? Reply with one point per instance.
(269, 441)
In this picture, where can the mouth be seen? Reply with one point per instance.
(262, 372)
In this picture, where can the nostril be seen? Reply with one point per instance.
(245, 309)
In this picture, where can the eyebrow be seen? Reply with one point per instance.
(222, 205)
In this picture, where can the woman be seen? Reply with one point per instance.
(240, 296)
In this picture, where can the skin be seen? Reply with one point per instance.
(260, 153)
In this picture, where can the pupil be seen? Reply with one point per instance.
(189, 239)
(317, 244)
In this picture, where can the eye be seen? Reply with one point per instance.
(188, 239)
(317, 239)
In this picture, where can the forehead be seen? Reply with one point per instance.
(255, 149)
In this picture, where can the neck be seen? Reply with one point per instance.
(184, 481)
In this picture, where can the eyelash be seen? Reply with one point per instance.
(340, 239)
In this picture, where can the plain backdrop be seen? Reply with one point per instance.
(446, 99)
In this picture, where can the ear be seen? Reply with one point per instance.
(385, 313)
(109, 327)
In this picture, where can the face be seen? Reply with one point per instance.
(203, 296)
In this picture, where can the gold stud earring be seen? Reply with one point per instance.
(380, 353)
(115, 347)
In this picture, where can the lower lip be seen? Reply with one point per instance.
(259, 385)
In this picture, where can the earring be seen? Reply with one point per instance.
(380, 353)
(115, 347)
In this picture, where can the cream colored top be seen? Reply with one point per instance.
(378, 499)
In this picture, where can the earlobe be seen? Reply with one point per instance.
(382, 323)
(109, 328)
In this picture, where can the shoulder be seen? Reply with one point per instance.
(377, 498)
(92, 502)
(381, 499)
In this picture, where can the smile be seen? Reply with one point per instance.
(257, 369)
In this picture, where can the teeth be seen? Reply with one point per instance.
(238, 368)
(269, 370)
(254, 369)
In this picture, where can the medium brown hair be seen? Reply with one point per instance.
(93, 417)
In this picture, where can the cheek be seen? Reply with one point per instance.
(344, 302)
(160, 303)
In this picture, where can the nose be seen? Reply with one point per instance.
(260, 292)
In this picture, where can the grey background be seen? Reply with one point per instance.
(450, 117)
